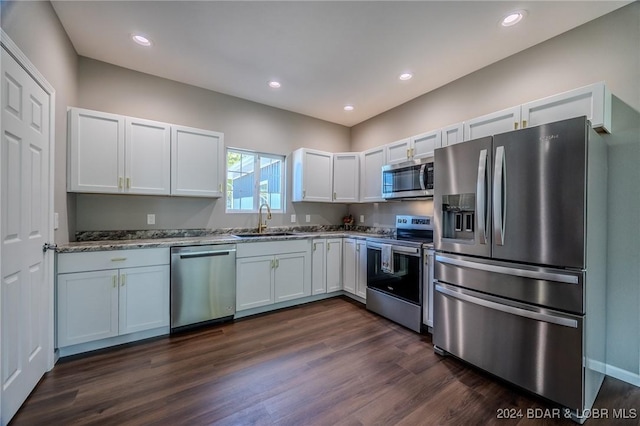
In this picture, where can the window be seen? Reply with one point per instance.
(254, 178)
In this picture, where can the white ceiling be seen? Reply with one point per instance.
(326, 54)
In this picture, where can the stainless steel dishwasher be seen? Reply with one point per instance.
(203, 285)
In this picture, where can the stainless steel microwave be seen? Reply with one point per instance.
(411, 179)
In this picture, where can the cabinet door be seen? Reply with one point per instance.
(397, 152)
(492, 124)
(423, 145)
(144, 298)
(334, 264)
(197, 162)
(96, 152)
(317, 176)
(361, 279)
(147, 157)
(371, 175)
(349, 265)
(594, 101)
(254, 282)
(290, 280)
(346, 177)
(319, 266)
(87, 306)
(453, 134)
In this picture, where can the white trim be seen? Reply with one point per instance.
(25, 63)
(624, 375)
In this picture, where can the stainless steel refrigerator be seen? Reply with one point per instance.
(520, 272)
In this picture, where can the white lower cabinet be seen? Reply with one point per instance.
(326, 265)
(354, 270)
(100, 304)
(264, 278)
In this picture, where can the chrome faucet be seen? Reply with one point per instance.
(263, 226)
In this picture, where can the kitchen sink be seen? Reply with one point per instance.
(264, 234)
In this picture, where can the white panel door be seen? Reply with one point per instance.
(349, 265)
(197, 162)
(334, 264)
(346, 177)
(254, 282)
(143, 298)
(147, 157)
(398, 151)
(87, 306)
(319, 266)
(25, 343)
(290, 282)
(317, 169)
(361, 278)
(452, 134)
(423, 145)
(492, 124)
(371, 175)
(96, 152)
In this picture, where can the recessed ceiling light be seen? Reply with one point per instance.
(513, 18)
(274, 84)
(141, 40)
(348, 108)
(405, 76)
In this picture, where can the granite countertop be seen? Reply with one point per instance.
(125, 240)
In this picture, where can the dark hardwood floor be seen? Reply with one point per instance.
(326, 363)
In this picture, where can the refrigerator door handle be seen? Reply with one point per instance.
(503, 307)
(499, 196)
(524, 273)
(481, 197)
(422, 169)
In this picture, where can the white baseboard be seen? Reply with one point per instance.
(624, 375)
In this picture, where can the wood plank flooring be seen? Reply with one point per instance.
(325, 363)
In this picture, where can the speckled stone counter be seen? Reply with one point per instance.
(123, 240)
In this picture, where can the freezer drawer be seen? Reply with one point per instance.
(539, 350)
(549, 287)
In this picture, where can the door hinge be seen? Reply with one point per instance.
(49, 246)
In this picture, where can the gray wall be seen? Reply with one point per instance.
(245, 124)
(605, 49)
(35, 28)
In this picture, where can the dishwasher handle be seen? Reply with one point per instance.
(208, 253)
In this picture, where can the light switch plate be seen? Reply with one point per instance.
(56, 220)
(151, 219)
(361, 218)
(293, 218)
(308, 218)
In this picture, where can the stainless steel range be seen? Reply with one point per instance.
(395, 271)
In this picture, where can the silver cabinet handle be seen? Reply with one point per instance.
(118, 259)
(537, 316)
(499, 197)
(481, 196)
(123, 280)
(525, 273)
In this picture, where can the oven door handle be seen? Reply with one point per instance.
(460, 294)
(411, 251)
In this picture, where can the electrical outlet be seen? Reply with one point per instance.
(308, 218)
(151, 219)
(293, 218)
(361, 218)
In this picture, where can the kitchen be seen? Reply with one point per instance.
(92, 84)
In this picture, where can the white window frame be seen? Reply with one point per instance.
(257, 179)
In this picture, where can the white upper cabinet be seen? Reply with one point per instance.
(346, 177)
(371, 175)
(422, 146)
(197, 162)
(398, 151)
(147, 165)
(96, 152)
(312, 175)
(492, 124)
(594, 101)
(325, 177)
(453, 134)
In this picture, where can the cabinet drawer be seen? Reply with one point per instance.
(269, 248)
(112, 259)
